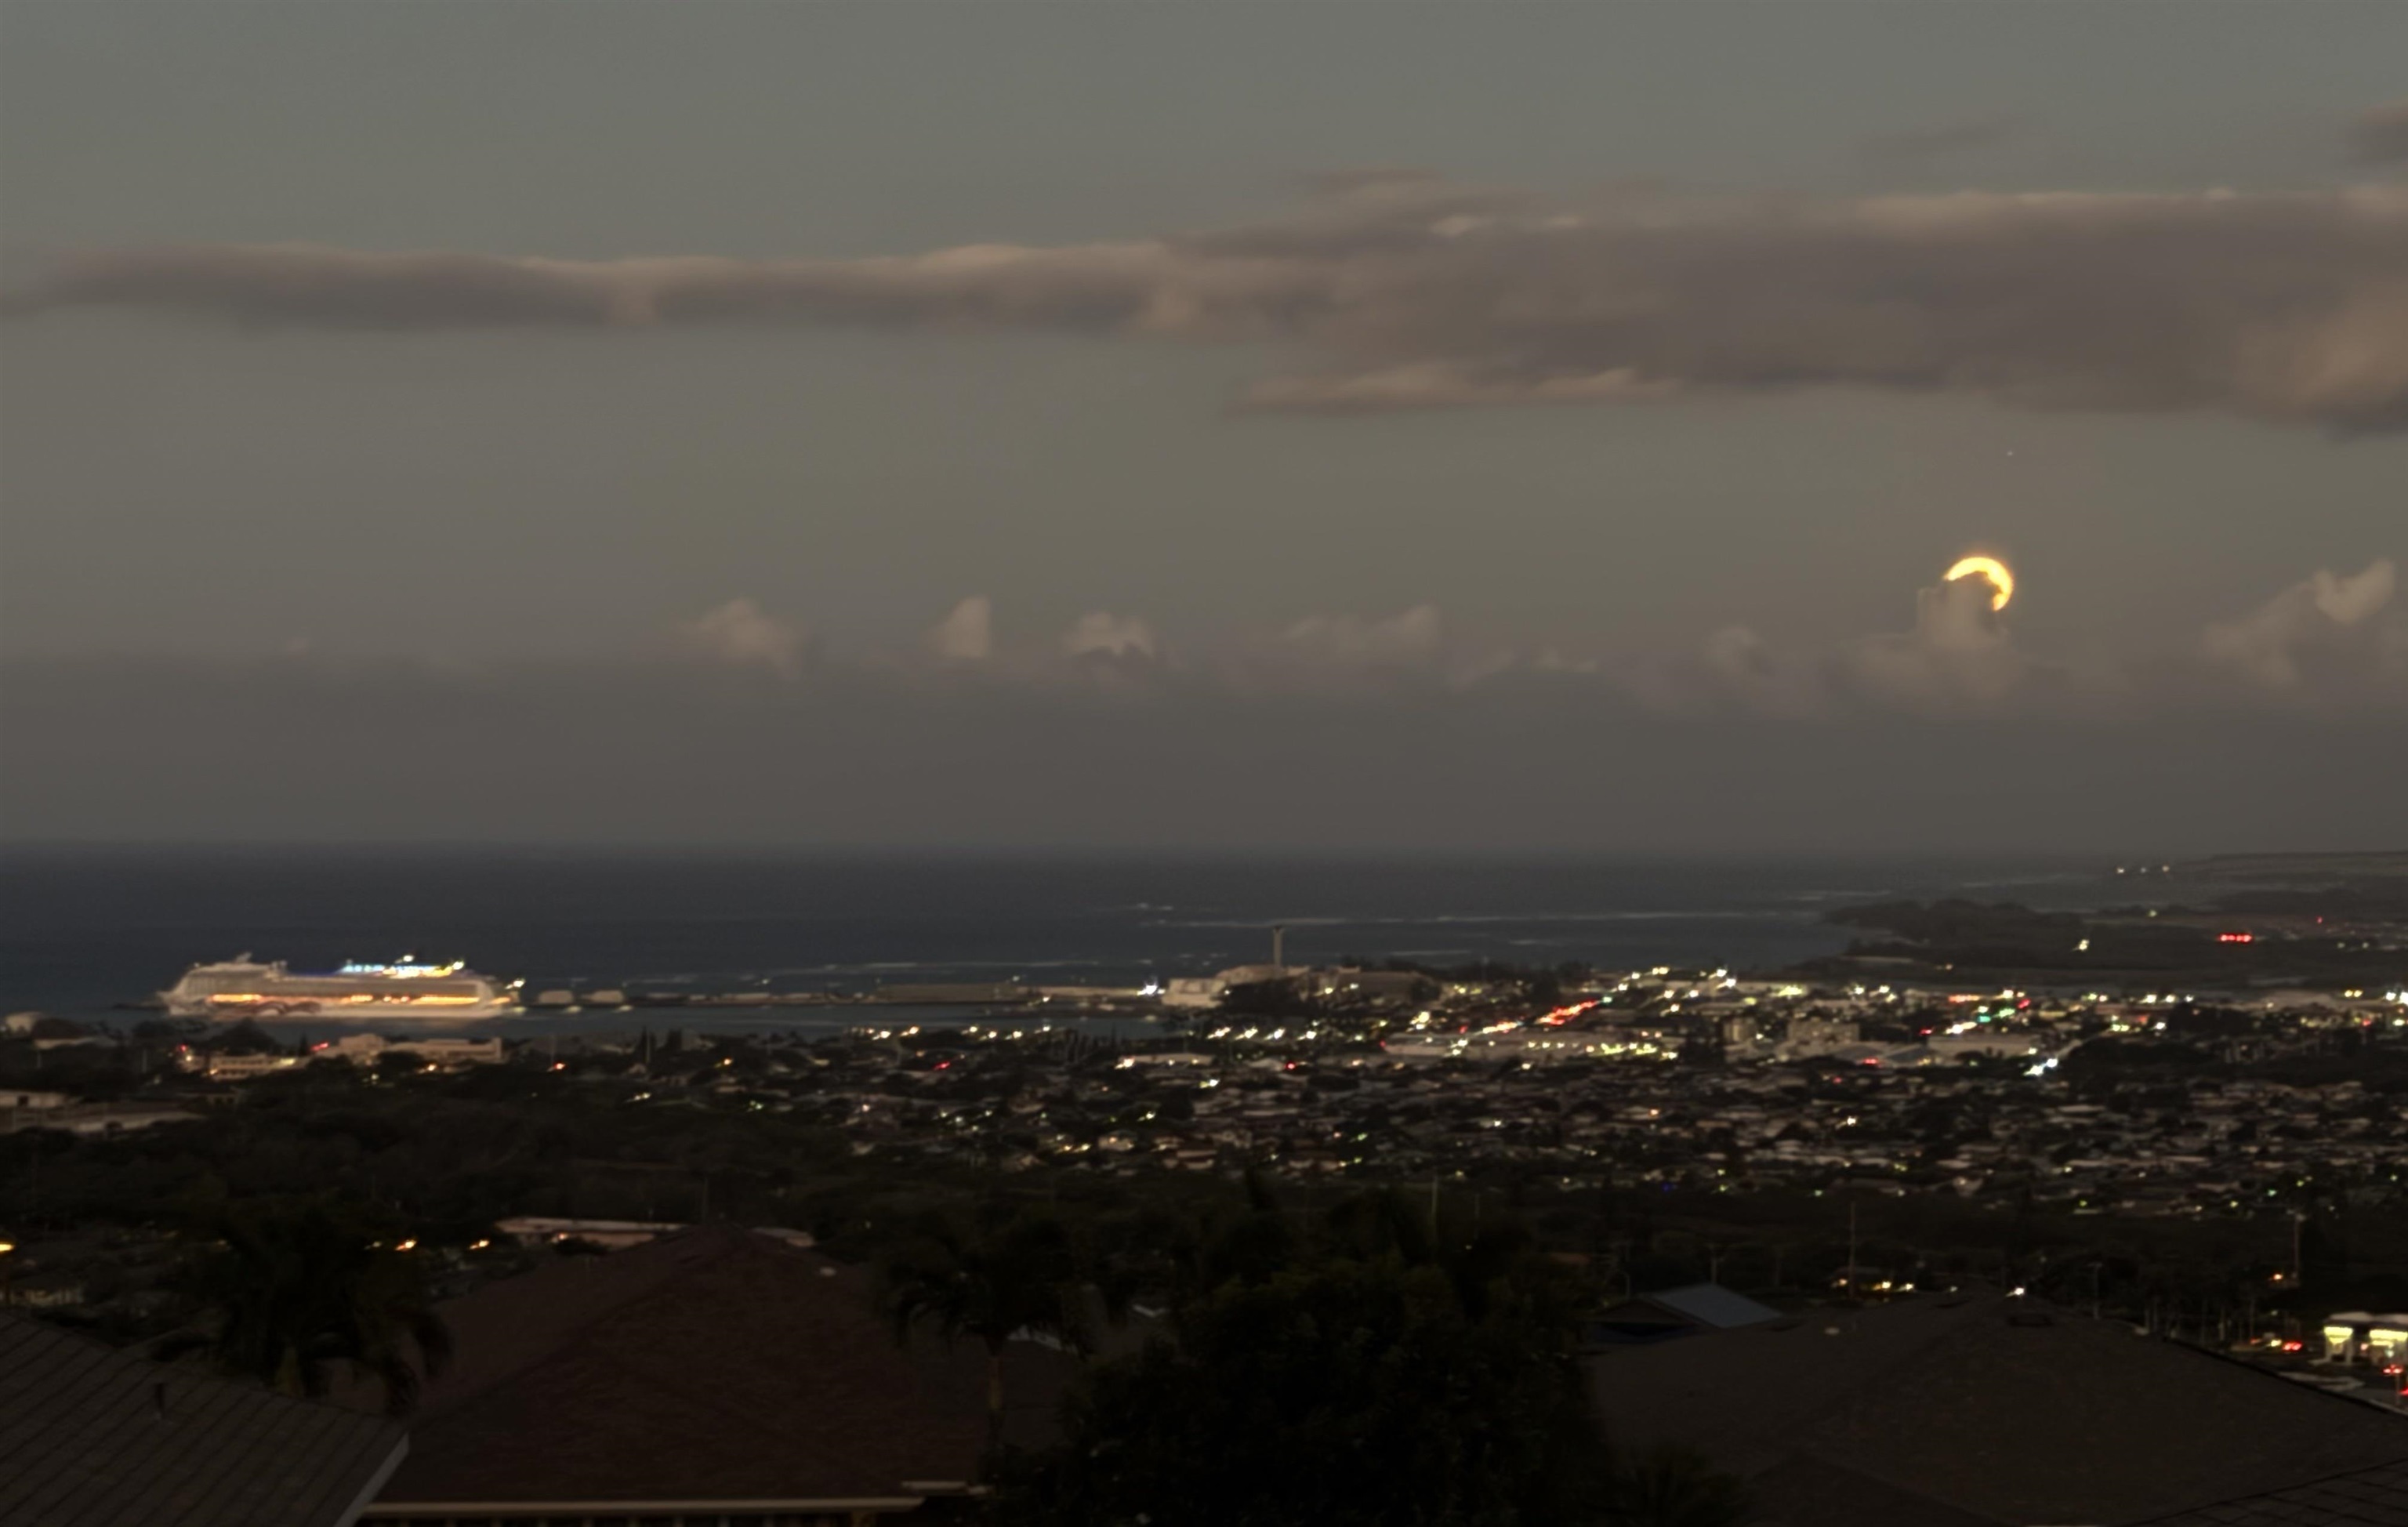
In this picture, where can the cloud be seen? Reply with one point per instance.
(739, 634)
(2379, 136)
(2323, 622)
(1959, 660)
(1104, 635)
(1400, 291)
(1103, 653)
(1435, 385)
(1411, 639)
(2331, 642)
(1741, 665)
(1945, 138)
(1411, 645)
(966, 635)
(1958, 657)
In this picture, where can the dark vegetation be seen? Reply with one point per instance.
(293, 1294)
(438, 1158)
(1376, 1362)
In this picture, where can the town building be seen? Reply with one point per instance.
(1678, 1312)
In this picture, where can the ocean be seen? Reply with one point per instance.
(84, 932)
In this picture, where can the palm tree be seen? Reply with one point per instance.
(993, 1287)
(1672, 1486)
(1387, 1223)
(288, 1294)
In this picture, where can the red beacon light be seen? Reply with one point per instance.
(2236, 938)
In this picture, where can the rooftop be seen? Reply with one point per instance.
(714, 1365)
(2375, 1497)
(90, 1436)
(1997, 1408)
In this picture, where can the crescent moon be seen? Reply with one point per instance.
(2002, 581)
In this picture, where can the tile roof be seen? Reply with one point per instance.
(90, 1436)
(2375, 1497)
(1998, 1409)
(714, 1365)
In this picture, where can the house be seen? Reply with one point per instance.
(450, 1052)
(244, 1068)
(1982, 1411)
(611, 1234)
(95, 1118)
(715, 1375)
(50, 1034)
(2361, 1336)
(90, 1436)
(1678, 1312)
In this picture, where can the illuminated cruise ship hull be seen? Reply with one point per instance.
(237, 989)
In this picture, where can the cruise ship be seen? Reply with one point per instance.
(243, 988)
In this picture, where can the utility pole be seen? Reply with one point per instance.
(1849, 1272)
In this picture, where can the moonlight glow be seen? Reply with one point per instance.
(2002, 583)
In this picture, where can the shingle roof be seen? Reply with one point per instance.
(1998, 1409)
(90, 1436)
(2375, 1497)
(712, 1365)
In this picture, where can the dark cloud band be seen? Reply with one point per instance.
(1402, 291)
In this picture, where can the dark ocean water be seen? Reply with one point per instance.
(83, 930)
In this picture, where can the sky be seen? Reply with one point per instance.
(1227, 426)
